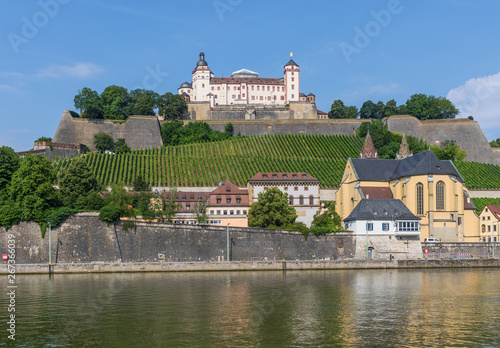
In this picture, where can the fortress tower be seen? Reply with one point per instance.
(292, 80)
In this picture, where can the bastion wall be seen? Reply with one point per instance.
(84, 238)
(142, 132)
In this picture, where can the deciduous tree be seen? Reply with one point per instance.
(76, 182)
(103, 142)
(89, 103)
(271, 210)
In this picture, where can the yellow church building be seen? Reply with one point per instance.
(432, 189)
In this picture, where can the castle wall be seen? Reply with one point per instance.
(139, 132)
(84, 238)
(144, 131)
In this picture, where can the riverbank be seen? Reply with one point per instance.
(117, 267)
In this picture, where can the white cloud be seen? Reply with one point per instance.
(78, 70)
(480, 98)
(383, 89)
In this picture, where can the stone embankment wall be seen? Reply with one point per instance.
(144, 131)
(84, 238)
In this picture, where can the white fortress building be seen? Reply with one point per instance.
(245, 93)
(244, 87)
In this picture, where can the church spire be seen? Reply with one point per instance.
(368, 150)
(404, 149)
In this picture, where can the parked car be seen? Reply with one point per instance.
(431, 240)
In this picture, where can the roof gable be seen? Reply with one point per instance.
(381, 209)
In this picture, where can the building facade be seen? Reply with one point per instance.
(432, 189)
(302, 190)
(244, 87)
(384, 227)
(490, 223)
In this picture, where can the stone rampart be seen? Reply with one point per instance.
(144, 131)
(84, 238)
(139, 132)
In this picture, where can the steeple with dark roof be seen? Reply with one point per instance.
(368, 150)
(404, 149)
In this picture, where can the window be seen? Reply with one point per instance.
(243, 95)
(483, 216)
(225, 212)
(203, 85)
(293, 87)
(211, 212)
(346, 226)
(218, 88)
(237, 212)
(306, 188)
(440, 195)
(212, 88)
(252, 88)
(483, 228)
(489, 218)
(231, 212)
(268, 89)
(494, 228)
(295, 176)
(228, 200)
(301, 200)
(264, 176)
(234, 96)
(238, 200)
(385, 226)
(291, 200)
(285, 188)
(219, 200)
(295, 188)
(369, 226)
(275, 176)
(489, 228)
(311, 200)
(258, 88)
(459, 221)
(285, 176)
(293, 96)
(261, 98)
(218, 212)
(420, 199)
(242, 87)
(244, 212)
(253, 97)
(188, 207)
(282, 97)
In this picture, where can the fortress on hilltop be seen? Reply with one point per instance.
(259, 105)
(247, 96)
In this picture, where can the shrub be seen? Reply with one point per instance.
(9, 216)
(109, 213)
(59, 215)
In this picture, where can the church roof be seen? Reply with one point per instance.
(291, 62)
(404, 149)
(202, 61)
(376, 192)
(368, 150)
(186, 85)
(424, 163)
(381, 209)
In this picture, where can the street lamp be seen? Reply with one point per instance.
(50, 245)
(227, 244)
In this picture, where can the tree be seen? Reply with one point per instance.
(89, 103)
(448, 150)
(117, 103)
(426, 107)
(76, 182)
(169, 206)
(171, 132)
(140, 185)
(121, 146)
(9, 163)
(337, 110)
(271, 210)
(351, 112)
(391, 108)
(152, 97)
(171, 106)
(229, 129)
(31, 189)
(495, 143)
(200, 210)
(103, 142)
(368, 110)
(328, 218)
(143, 105)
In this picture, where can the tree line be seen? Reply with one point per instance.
(117, 103)
(421, 106)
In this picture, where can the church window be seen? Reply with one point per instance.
(311, 200)
(420, 199)
(301, 200)
(291, 200)
(440, 195)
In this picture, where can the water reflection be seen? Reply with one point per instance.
(249, 309)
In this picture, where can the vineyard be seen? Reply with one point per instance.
(479, 175)
(238, 159)
(324, 157)
(480, 203)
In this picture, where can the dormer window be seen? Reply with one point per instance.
(285, 176)
(264, 176)
(228, 190)
(295, 176)
(304, 176)
(275, 176)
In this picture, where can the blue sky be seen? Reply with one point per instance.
(349, 50)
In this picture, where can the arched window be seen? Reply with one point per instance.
(311, 200)
(420, 199)
(440, 195)
(291, 200)
(301, 200)
(483, 228)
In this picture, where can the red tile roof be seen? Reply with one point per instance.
(377, 192)
(248, 80)
(300, 176)
(322, 112)
(495, 210)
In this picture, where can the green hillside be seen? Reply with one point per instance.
(480, 203)
(322, 156)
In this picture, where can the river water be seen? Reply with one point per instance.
(340, 308)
